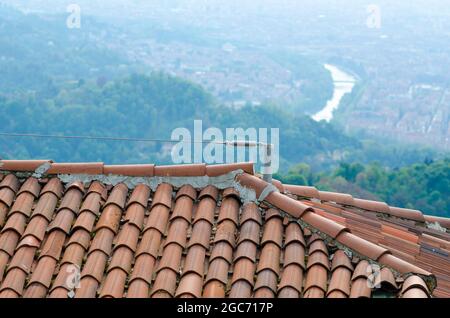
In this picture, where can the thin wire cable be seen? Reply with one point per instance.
(98, 138)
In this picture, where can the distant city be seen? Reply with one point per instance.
(403, 86)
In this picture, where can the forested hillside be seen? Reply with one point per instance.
(146, 107)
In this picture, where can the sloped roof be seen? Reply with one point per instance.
(188, 231)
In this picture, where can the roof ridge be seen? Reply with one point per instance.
(49, 167)
(369, 205)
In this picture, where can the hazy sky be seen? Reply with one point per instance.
(249, 6)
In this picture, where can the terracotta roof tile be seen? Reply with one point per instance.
(209, 191)
(94, 267)
(361, 270)
(21, 165)
(4, 258)
(400, 265)
(340, 259)
(241, 289)
(32, 186)
(73, 254)
(28, 241)
(318, 258)
(222, 250)
(158, 218)
(53, 186)
(76, 168)
(190, 285)
(150, 243)
(139, 195)
(181, 170)
(415, 293)
(292, 276)
(278, 185)
(98, 187)
(324, 225)
(214, 289)
(341, 198)
(303, 191)
(15, 222)
(144, 170)
(92, 203)
(53, 245)
(71, 201)
(273, 232)
(294, 234)
(110, 219)
(218, 270)
(88, 288)
(114, 284)
(226, 232)
(318, 246)
(7, 197)
(128, 237)
(62, 221)
(177, 232)
(135, 215)
(143, 268)
(121, 259)
(246, 249)
(361, 246)
(340, 281)
(118, 196)
(206, 209)
(244, 269)
(163, 195)
(266, 284)
(317, 278)
(171, 258)
(81, 237)
(201, 233)
(294, 253)
(14, 281)
(23, 204)
(183, 209)
(42, 274)
(195, 261)
(270, 258)
(85, 221)
(371, 205)
(231, 192)
(360, 288)
(11, 182)
(8, 241)
(187, 190)
(76, 185)
(407, 214)
(229, 210)
(217, 170)
(414, 282)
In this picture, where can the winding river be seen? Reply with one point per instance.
(343, 84)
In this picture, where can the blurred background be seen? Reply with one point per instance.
(359, 89)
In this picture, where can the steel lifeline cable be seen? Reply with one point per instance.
(267, 169)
